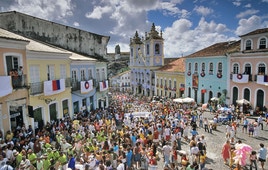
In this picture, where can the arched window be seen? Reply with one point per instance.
(203, 67)
(248, 45)
(189, 66)
(219, 67)
(210, 68)
(157, 49)
(147, 49)
(262, 43)
(235, 68)
(195, 67)
(261, 69)
(247, 94)
(247, 69)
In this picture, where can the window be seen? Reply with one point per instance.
(235, 68)
(219, 67)
(262, 43)
(63, 73)
(248, 45)
(169, 83)
(210, 68)
(203, 67)
(175, 84)
(165, 83)
(147, 49)
(90, 74)
(261, 69)
(50, 72)
(103, 74)
(34, 73)
(131, 52)
(12, 62)
(74, 75)
(189, 66)
(157, 49)
(97, 75)
(247, 69)
(161, 82)
(82, 74)
(195, 67)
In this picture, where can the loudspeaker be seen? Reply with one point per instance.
(30, 111)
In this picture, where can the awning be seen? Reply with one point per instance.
(203, 91)
(182, 89)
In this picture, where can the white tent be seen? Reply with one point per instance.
(242, 101)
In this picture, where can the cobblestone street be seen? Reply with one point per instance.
(216, 140)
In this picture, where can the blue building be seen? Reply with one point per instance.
(207, 72)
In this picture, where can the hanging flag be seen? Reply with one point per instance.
(103, 85)
(5, 85)
(86, 86)
(54, 87)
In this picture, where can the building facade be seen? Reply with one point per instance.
(13, 87)
(207, 72)
(121, 82)
(146, 56)
(170, 80)
(248, 73)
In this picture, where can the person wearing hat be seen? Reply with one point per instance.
(39, 164)
(63, 160)
(32, 157)
(46, 162)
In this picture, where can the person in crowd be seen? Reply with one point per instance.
(262, 155)
(226, 151)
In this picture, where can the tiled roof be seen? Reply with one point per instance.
(78, 57)
(8, 35)
(174, 66)
(258, 31)
(217, 49)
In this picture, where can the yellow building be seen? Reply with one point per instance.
(169, 79)
(49, 83)
(13, 89)
(43, 92)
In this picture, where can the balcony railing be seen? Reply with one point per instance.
(19, 81)
(38, 87)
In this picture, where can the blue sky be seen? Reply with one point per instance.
(187, 25)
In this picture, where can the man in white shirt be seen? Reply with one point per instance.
(120, 166)
(166, 152)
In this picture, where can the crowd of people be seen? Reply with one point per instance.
(106, 139)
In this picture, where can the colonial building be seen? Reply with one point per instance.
(13, 87)
(248, 78)
(170, 80)
(121, 82)
(84, 85)
(146, 56)
(207, 72)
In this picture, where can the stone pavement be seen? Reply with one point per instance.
(216, 140)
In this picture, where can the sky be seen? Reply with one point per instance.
(187, 25)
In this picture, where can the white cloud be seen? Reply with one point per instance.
(45, 9)
(204, 11)
(237, 2)
(98, 12)
(264, 0)
(248, 6)
(247, 25)
(76, 24)
(247, 13)
(181, 38)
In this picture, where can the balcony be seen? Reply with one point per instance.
(19, 81)
(38, 87)
(240, 78)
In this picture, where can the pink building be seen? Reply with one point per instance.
(249, 70)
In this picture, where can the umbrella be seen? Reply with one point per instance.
(242, 101)
(214, 99)
(178, 100)
(187, 100)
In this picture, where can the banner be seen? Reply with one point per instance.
(86, 86)
(240, 78)
(195, 81)
(262, 79)
(5, 85)
(54, 87)
(104, 85)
